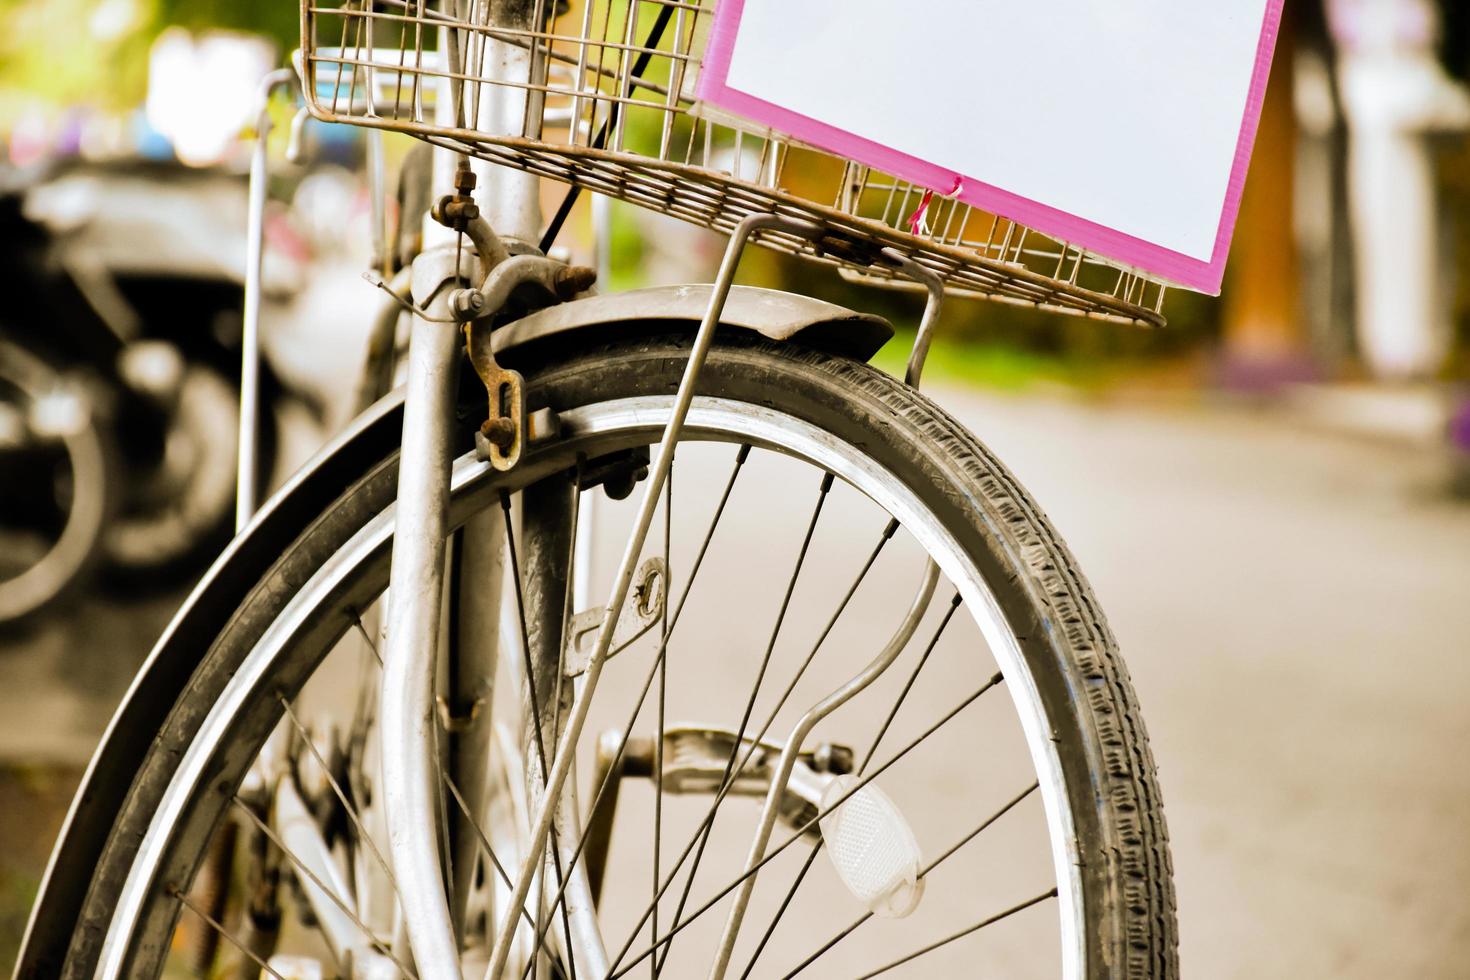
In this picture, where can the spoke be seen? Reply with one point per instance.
(658, 742)
(228, 936)
(341, 796)
(364, 719)
(658, 659)
(568, 602)
(1052, 893)
(728, 779)
(485, 844)
(446, 841)
(797, 835)
(811, 858)
(515, 569)
(373, 647)
(363, 715)
(954, 605)
(322, 886)
(702, 831)
(888, 532)
(923, 873)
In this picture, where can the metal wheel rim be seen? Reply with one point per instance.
(634, 420)
(38, 584)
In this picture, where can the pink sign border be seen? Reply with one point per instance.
(1155, 260)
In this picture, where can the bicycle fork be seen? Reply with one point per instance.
(415, 590)
(416, 586)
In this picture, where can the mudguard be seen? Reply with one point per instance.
(336, 467)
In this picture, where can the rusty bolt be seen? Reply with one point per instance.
(500, 433)
(452, 210)
(574, 279)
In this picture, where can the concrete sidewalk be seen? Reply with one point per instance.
(1295, 610)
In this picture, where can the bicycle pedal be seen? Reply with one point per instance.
(872, 848)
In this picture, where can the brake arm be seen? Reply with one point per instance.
(503, 433)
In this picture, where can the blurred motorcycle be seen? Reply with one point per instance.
(119, 365)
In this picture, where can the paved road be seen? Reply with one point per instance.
(1294, 611)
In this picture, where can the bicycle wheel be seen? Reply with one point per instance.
(178, 509)
(56, 497)
(807, 495)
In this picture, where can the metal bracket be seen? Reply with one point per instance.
(245, 471)
(503, 434)
(696, 760)
(641, 609)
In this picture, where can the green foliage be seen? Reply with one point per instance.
(279, 20)
(50, 50)
(48, 53)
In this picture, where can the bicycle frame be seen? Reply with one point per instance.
(413, 691)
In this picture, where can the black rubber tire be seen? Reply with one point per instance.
(1127, 874)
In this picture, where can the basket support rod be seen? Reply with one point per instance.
(920, 605)
(622, 582)
(933, 307)
(245, 475)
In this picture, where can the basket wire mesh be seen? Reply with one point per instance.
(600, 93)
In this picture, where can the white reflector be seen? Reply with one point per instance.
(872, 848)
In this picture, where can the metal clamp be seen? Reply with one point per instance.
(502, 435)
(641, 609)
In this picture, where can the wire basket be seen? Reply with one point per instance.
(600, 93)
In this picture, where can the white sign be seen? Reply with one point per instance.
(1121, 126)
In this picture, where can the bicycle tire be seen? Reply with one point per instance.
(1068, 649)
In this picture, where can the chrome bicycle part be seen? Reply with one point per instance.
(247, 470)
(694, 761)
(623, 579)
(410, 789)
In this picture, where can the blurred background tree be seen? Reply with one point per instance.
(94, 53)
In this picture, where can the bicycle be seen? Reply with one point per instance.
(428, 754)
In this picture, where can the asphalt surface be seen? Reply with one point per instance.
(1293, 609)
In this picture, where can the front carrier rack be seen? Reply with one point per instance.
(600, 94)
